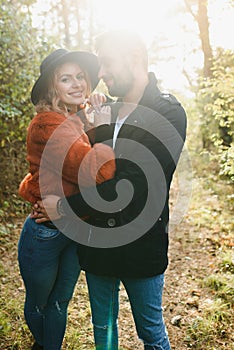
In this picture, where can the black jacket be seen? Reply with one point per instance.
(133, 232)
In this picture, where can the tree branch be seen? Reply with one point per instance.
(189, 8)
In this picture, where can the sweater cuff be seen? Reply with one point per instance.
(60, 209)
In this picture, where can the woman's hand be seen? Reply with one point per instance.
(96, 100)
(45, 209)
(102, 116)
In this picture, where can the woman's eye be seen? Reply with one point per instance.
(64, 80)
(80, 77)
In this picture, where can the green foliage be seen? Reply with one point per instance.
(20, 57)
(215, 101)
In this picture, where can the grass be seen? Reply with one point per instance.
(212, 328)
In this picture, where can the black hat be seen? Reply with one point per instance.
(88, 61)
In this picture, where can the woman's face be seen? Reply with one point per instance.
(70, 84)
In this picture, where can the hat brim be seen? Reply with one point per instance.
(86, 60)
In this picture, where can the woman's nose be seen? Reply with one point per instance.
(76, 82)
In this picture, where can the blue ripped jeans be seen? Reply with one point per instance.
(50, 268)
(145, 297)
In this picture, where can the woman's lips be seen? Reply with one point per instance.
(76, 94)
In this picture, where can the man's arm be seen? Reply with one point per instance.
(165, 147)
(87, 202)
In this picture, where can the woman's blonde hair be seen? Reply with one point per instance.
(50, 100)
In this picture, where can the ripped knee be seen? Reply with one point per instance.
(57, 306)
(60, 306)
(39, 309)
(100, 326)
(110, 325)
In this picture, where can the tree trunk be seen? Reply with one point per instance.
(65, 16)
(201, 17)
(91, 29)
(203, 24)
(79, 36)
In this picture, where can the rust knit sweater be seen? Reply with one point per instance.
(59, 154)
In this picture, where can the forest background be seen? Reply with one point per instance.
(192, 54)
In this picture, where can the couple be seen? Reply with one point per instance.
(127, 238)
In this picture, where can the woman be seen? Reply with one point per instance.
(48, 259)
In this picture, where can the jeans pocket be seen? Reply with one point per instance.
(45, 233)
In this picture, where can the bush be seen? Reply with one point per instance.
(21, 54)
(215, 101)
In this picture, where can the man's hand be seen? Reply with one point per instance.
(45, 209)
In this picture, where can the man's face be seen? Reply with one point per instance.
(115, 70)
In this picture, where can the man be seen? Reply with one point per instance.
(128, 237)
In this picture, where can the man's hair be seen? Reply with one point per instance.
(124, 42)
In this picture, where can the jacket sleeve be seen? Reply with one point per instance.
(97, 166)
(67, 146)
(107, 191)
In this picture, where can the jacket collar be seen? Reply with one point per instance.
(151, 92)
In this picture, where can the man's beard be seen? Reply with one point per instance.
(119, 90)
(120, 87)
